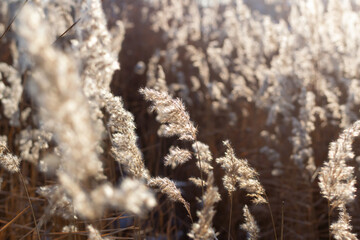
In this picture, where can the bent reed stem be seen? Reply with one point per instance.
(31, 207)
(271, 215)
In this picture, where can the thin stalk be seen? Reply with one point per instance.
(13, 19)
(329, 219)
(282, 221)
(231, 204)
(57, 39)
(31, 207)
(14, 219)
(271, 215)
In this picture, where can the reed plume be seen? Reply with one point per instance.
(203, 230)
(171, 114)
(177, 156)
(250, 225)
(123, 137)
(66, 111)
(168, 188)
(239, 173)
(8, 161)
(203, 156)
(337, 181)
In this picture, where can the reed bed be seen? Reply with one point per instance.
(166, 119)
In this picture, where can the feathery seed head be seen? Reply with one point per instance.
(203, 230)
(250, 225)
(177, 156)
(238, 172)
(174, 119)
(203, 155)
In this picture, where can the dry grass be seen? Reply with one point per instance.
(84, 156)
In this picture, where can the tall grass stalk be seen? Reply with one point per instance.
(230, 215)
(271, 215)
(31, 206)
